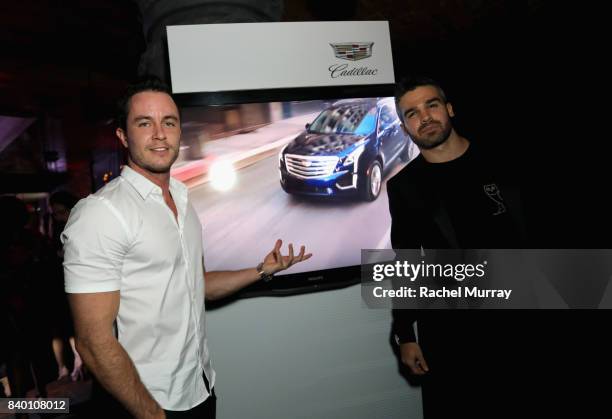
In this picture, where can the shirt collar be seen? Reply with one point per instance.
(178, 189)
(144, 186)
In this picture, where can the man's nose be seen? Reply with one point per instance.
(159, 132)
(425, 116)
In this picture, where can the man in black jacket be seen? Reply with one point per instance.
(451, 196)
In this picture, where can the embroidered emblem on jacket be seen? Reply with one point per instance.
(493, 192)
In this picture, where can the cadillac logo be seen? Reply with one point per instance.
(353, 51)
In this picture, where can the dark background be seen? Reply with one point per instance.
(501, 63)
(70, 60)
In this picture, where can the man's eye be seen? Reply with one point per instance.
(143, 124)
(410, 115)
(433, 105)
(170, 124)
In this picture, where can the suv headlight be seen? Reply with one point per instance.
(354, 156)
(280, 155)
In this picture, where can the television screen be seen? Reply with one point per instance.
(309, 172)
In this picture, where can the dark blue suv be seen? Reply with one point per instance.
(346, 150)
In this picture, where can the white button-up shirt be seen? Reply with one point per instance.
(125, 238)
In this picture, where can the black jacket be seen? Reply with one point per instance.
(420, 214)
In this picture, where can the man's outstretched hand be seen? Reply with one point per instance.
(276, 262)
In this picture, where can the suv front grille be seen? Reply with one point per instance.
(310, 167)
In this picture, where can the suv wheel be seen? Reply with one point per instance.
(373, 184)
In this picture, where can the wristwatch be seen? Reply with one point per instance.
(263, 275)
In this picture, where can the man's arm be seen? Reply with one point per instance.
(410, 351)
(220, 284)
(405, 235)
(94, 315)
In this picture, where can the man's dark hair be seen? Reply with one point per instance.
(409, 83)
(144, 84)
(64, 198)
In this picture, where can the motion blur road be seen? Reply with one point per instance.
(241, 225)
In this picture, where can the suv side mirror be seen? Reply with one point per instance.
(307, 126)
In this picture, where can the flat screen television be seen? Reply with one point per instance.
(308, 166)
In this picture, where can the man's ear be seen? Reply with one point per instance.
(120, 133)
(449, 108)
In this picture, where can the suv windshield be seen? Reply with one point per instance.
(357, 119)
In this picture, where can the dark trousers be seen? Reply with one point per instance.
(105, 405)
(205, 410)
(475, 359)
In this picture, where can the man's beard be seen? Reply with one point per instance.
(427, 143)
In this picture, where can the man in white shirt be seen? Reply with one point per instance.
(133, 260)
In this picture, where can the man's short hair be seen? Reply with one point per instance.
(64, 198)
(409, 83)
(144, 84)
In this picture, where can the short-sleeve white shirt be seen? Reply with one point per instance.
(125, 238)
